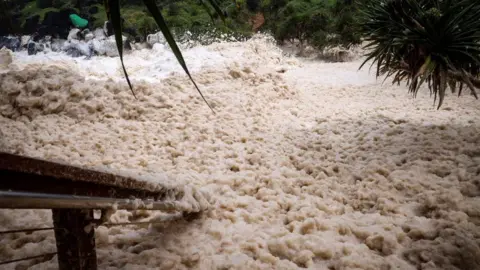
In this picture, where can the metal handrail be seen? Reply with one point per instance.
(32, 200)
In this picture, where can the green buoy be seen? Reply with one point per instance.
(78, 21)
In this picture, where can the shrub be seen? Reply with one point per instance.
(425, 41)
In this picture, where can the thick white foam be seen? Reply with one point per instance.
(312, 164)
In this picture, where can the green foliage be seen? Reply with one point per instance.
(7, 12)
(44, 3)
(186, 15)
(138, 18)
(100, 17)
(146, 25)
(61, 3)
(425, 41)
(32, 8)
(173, 9)
(317, 22)
(302, 20)
(345, 26)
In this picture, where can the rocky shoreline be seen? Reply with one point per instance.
(100, 42)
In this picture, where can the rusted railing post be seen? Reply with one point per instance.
(75, 239)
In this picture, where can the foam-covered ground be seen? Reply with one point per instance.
(312, 165)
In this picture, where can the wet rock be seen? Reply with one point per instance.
(85, 32)
(89, 36)
(24, 41)
(107, 28)
(39, 47)
(32, 48)
(111, 46)
(6, 57)
(140, 46)
(98, 46)
(337, 54)
(130, 31)
(156, 38)
(11, 43)
(57, 44)
(99, 34)
(73, 52)
(76, 48)
(74, 34)
(55, 23)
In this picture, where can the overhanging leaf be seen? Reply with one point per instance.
(112, 8)
(207, 9)
(217, 9)
(153, 9)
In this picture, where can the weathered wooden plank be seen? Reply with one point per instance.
(76, 240)
(26, 174)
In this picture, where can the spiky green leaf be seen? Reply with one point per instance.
(153, 9)
(112, 8)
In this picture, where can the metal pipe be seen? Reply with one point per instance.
(31, 200)
(29, 258)
(29, 230)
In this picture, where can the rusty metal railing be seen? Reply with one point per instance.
(72, 194)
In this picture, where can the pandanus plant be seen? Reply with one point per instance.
(436, 42)
(112, 7)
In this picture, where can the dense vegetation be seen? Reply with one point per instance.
(30, 16)
(316, 22)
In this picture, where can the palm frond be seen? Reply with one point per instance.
(113, 13)
(217, 9)
(112, 8)
(425, 41)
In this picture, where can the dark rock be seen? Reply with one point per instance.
(73, 52)
(127, 44)
(99, 34)
(85, 31)
(31, 48)
(74, 34)
(92, 51)
(76, 48)
(11, 43)
(107, 28)
(131, 31)
(57, 44)
(24, 41)
(57, 23)
(93, 10)
(35, 37)
(80, 35)
(31, 24)
(53, 25)
(40, 47)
